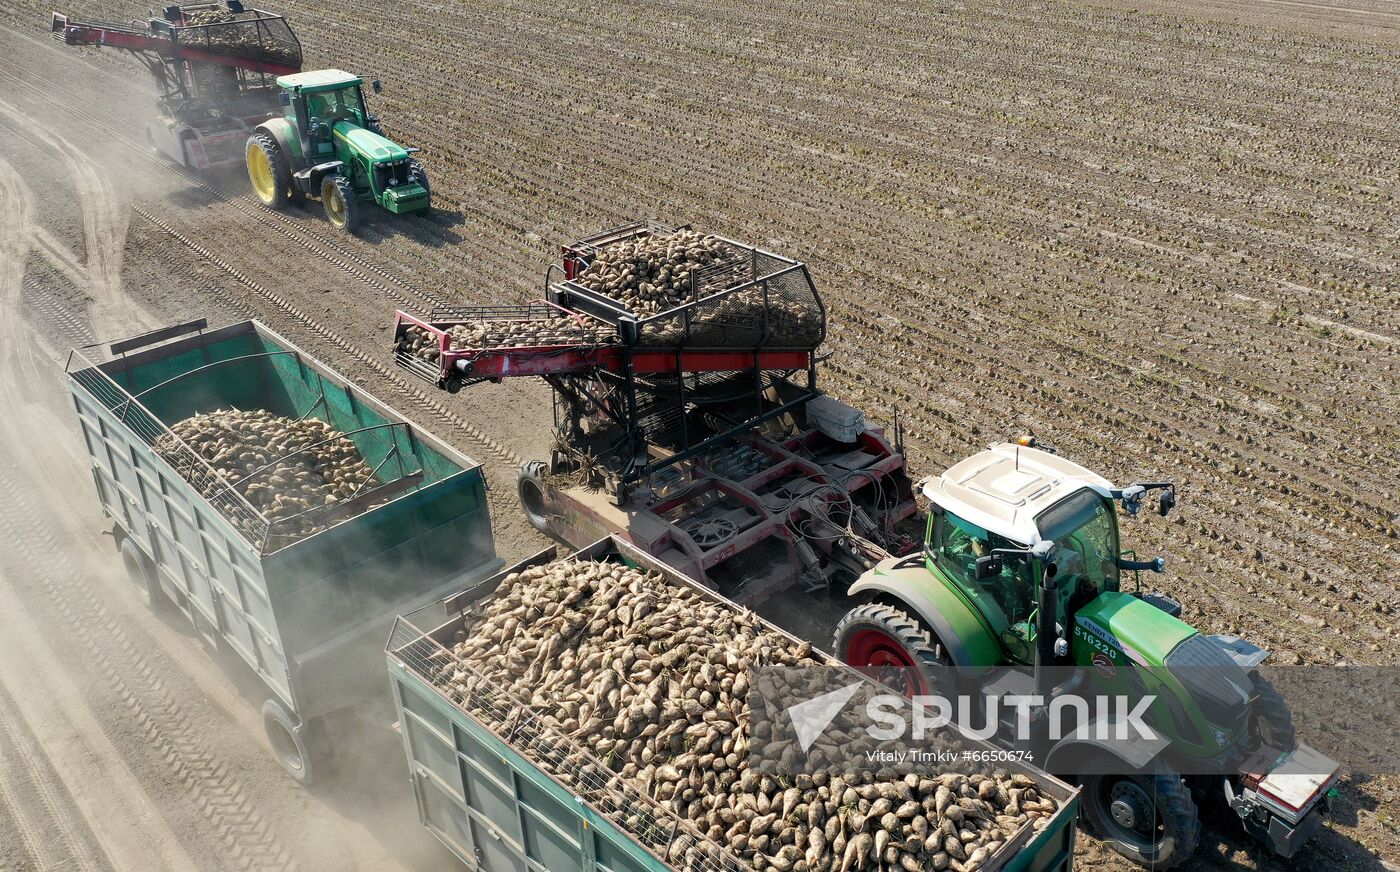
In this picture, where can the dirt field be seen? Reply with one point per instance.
(1163, 240)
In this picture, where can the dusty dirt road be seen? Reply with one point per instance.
(1169, 249)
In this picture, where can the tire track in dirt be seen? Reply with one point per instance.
(28, 777)
(103, 209)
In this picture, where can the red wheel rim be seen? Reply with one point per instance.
(880, 656)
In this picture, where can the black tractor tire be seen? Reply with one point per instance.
(143, 576)
(417, 174)
(338, 199)
(529, 486)
(280, 193)
(1270, 721)
(292, 743)
(1176, 828)
(893, 648)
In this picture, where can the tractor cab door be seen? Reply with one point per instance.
(321, 117)
(1006, 600)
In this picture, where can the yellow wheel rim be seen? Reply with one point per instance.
(260, 174)
(334, 203)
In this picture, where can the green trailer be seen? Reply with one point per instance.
(485, 792)
(308, 613)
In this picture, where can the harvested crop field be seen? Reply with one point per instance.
(1163, 237)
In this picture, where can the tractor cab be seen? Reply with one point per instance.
(990, 511)
(317, 102)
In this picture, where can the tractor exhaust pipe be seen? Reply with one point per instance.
(1046, 635)
(1046, 631)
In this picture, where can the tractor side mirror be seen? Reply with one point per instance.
(988, 566)
(1166, 501)
(284, 99)
(377, 86)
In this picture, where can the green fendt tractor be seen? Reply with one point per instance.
(1017, 592)
(327, 145)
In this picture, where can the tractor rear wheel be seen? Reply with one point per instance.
(416, 174)
(268, 172)
(1270, 721)
(338, 198)
(1149, 818)
(896, 650)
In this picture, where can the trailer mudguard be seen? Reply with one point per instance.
(963, 635)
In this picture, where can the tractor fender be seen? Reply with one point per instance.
(284, 133)
(1136, 753)
(966, 640)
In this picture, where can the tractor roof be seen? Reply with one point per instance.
(319, 80)
(1003, 488)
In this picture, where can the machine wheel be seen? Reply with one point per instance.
(290, 742)
(268, 172)
(416, 173)
(529, 485)
(1270, 722)
(892, 648)
(143, 575)
(338, 197)
(1150, 819)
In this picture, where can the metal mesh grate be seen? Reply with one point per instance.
(264, 534)
(183, 459)
(654, 827)
(252, 35)
(752, 300)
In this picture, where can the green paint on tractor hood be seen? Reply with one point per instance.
(368, 143)
(1142, 631)
(318, 80)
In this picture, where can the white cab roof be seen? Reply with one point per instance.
(1003, 488)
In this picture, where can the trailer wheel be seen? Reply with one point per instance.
(289, 740)
(267, 171)
(338, 198)
(143, 575)
(529, 485)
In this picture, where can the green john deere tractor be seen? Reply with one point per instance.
(327, 145)
(1018, 592)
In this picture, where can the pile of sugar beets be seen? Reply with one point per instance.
(283, 466)
(651, 680)
(507, 333)
(243, 40)
(656, 273)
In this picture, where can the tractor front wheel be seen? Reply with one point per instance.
(268, 172)
(1149, 818)
(416, 174)
(896, 650)
(338, 198)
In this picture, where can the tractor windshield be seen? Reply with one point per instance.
(1085, 532)
(342, 104)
